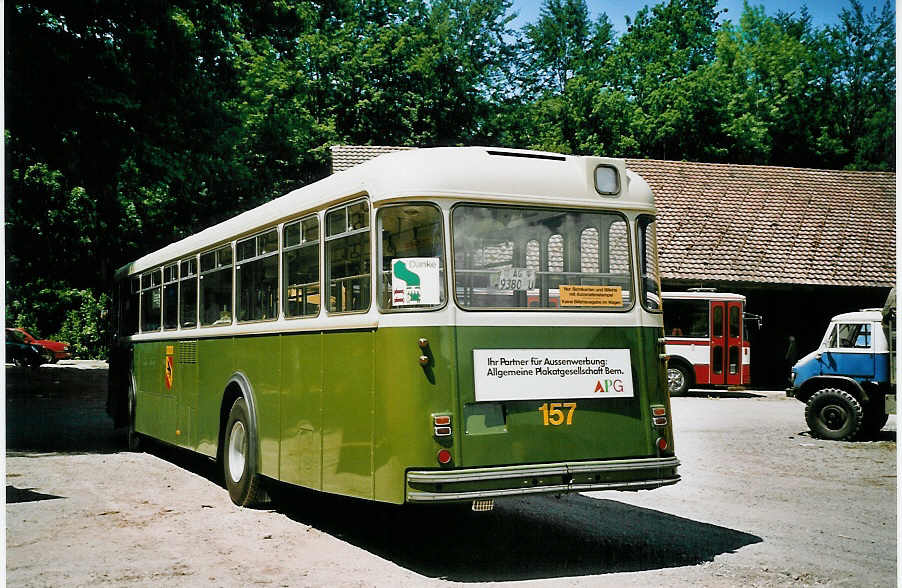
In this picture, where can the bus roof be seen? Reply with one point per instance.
(703, 296)
(472, 173)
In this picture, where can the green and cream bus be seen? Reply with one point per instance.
(434, 325)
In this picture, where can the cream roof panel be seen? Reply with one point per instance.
(479, 173)
(500, 175)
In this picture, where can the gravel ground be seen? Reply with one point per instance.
(761, 504)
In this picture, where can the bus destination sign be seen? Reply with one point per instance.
(541, 374)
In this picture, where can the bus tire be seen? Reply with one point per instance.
(678, 379)
(239, 458)
(134, 438)
(832, 413)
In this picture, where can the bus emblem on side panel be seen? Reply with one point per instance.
(169, 372)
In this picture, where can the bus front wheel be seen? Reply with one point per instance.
(832, 413)
(239, 458)
(677, 379)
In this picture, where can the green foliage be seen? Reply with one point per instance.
(54, 311)
(85, 325)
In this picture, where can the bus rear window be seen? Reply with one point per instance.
(506, 257)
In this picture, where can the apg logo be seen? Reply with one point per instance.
(608, 386)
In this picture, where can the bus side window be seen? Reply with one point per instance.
(301, 267)
(170, 296)
(410, 234)
(686, 318)
(216, 287)
(257, 277)
(130, 302)
(348, 257)
(188, 294)
(151, 301)
(649, 278)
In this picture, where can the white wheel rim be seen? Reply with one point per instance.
(674, 379)
(237, 451)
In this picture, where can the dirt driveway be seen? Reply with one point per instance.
(761, 504)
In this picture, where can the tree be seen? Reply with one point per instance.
(563, 60)
(862, 58)
(767, 72)
(656, 64)
(116, 137)
(557, 45)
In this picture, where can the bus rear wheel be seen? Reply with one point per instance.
(677, 379)
(239, 458)
(834, 414)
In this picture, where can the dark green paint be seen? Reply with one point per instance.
(351, 412)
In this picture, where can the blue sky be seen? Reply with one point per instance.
(823, 12)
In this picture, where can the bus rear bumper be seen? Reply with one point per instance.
(579, 476)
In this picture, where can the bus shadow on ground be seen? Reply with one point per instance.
(701, 393)
(528, 538)
(59, 409)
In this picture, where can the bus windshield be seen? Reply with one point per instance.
(527, 258)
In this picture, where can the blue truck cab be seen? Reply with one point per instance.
(846, 383)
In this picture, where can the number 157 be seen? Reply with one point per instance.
(553, 415)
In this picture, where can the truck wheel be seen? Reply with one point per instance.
(677, 379)
(239, 458)
(834, 414)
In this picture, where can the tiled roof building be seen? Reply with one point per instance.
(762, 224)
(749, 224)
(347, 156)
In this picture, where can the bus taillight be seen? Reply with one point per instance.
(444, 457)
(662, 443)
(659, 416)
(442, 425)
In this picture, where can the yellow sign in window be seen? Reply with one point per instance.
(591, 295)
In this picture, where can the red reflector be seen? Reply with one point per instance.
(659, 411)
(442, 431)
(660, 421)
(443, 420)
(662, 443)
(444, 456)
